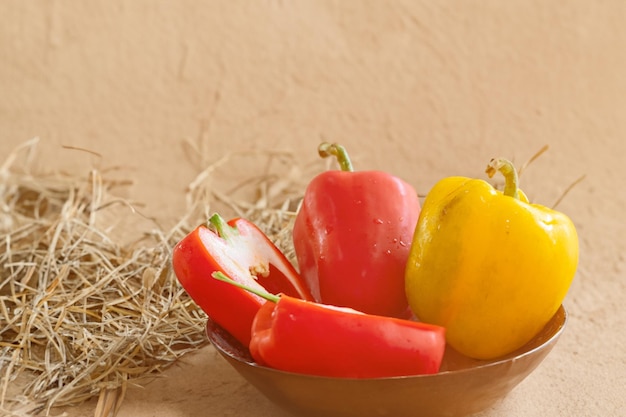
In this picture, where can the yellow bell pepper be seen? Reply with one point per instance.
(487, 265)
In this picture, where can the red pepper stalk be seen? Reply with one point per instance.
(305, 337)
(352, 237)
(242, 251)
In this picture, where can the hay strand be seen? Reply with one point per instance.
(83, 314)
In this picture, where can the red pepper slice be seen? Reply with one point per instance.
(242, 251)
(352, 237)
(316, 339)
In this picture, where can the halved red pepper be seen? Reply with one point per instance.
(318, 339)
(352, 236)
(242, 251)
(306, 337)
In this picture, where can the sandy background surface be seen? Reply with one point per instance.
(421, 89)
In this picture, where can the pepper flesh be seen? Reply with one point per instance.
(316, 339)
(242, 251)
(491, 268)
(352, 237)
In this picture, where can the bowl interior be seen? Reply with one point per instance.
(462, 387)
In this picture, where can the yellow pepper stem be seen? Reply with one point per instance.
(332, 149)
(507, 169)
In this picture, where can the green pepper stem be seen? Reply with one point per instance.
(223, 229)
(332, 149)
(220, 276)
(507, 169)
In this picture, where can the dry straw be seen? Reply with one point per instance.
(83, 313)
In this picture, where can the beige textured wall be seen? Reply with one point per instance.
(431, 81)
(423, 89)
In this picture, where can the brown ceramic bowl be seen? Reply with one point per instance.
(462, 387)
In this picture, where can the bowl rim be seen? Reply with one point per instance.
(512, 357)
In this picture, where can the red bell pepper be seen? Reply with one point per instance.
(242, 251)
(352, 236)
(301, 336)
